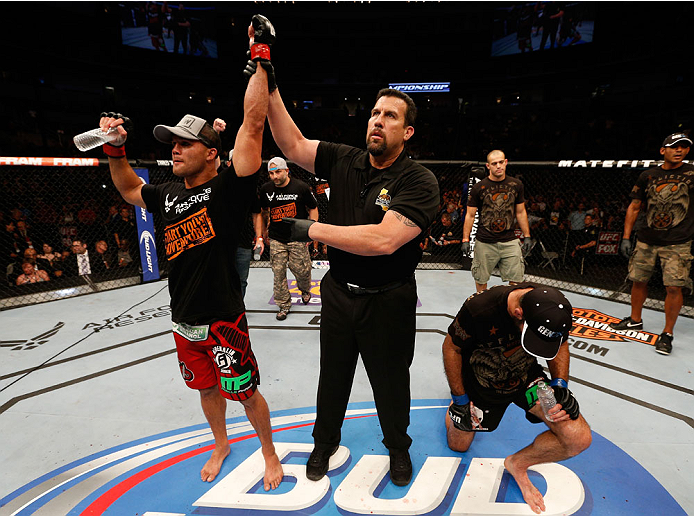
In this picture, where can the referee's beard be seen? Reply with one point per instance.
(376, 149)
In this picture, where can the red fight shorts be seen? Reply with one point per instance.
(218, 353)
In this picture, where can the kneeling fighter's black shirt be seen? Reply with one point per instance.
(494, 362)
(201, 236)
(361, 194)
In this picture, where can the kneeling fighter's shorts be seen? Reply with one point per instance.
(486, 414)
(219, 353)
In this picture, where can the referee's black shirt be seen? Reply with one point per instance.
(361, 194)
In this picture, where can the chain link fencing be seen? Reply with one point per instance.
(48, 212)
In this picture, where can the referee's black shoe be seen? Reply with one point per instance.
(627, 324)
(400, 467)
(318, 462)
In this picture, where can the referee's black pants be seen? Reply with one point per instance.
(381, 328)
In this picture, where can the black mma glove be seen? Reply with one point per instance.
(459, 413)
(625, 247)
(565, 398)
(526, 245)
(299, 229)
(252, 66)
(117, 151)
(465, 248)
(264, 37)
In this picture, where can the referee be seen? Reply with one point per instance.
(380, 203)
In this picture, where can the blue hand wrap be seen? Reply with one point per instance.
(558, 382)
(460, 400)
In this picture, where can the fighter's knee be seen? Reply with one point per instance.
(584, 440)
(580, 439)
(457, 440)
(457, 446)
(210, 392)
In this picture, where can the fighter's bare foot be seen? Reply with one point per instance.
(273, 472)
(531, 494)
(211, 468)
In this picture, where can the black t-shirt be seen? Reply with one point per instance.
(556, 217)
(361, 194)
(486, 333)
(588, 235)
(293, 200)
(201, 235)
(440, 232)
(248, 230)
(667, 197)
(496, 205)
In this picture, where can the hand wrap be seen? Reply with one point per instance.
(460, 416)
(117, 150)
(566, 399)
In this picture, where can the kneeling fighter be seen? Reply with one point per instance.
(489, 356)
(204, 216)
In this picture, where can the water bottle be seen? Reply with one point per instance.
(96, 137)
(256, 251)
(545, 395)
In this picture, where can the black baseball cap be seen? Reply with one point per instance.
(190, 127)
(676, 138)
(548, 320)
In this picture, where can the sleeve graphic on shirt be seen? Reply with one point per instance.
(667, 204)
(497, 211)
(279, 212)
(188, 233)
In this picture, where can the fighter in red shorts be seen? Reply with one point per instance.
(204, 216)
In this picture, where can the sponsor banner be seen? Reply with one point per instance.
(591, 324)
(50, 162)
(159, 475)
(608, 242)
(612, 163)
(145, 236)
(421, 87)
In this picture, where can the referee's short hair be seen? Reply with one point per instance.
(410, 113)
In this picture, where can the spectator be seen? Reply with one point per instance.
(445, 232)
(30, 274)
(124, 257)
(587, 240)
(80, 263)
(103, 254)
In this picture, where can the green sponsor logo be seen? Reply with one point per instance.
(234, 384)
(192, 333)
(531, 396)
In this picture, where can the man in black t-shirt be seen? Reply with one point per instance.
(668, 234)
(203, 216)
(282, 197)
(380, 203)
(500, 199)
(490, 359)
(444, 233)
(587, 240)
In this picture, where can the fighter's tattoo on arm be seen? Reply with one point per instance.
(405, 220)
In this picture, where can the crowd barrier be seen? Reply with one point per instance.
(56, 201)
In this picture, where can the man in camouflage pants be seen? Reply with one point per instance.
(665, 192)
(280, 197)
